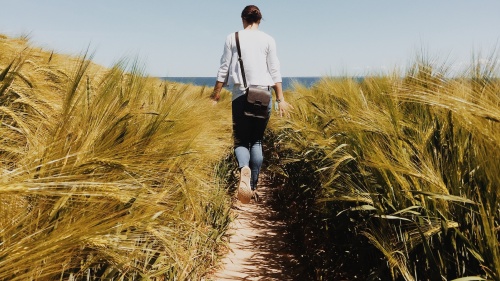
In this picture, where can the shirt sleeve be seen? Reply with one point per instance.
(225, 61)
(273, 64)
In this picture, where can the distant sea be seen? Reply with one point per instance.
(210, 81)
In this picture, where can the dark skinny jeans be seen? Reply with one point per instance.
(248, 133)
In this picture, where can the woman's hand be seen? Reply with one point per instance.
(284, 109)
(215, 96)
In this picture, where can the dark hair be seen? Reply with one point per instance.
(251, 14)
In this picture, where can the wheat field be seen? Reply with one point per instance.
(399, 176)
(108, 174)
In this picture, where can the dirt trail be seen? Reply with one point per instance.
(258, 250)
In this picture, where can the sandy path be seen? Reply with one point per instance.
(257, 247)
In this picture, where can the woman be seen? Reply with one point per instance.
(262, 69)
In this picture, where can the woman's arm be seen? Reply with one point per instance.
(223, 73)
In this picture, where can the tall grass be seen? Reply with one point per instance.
(109, 174)
(397, 175)
(106, 174)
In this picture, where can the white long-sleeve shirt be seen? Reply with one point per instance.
(258, 52)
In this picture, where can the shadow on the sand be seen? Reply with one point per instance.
(273, 258)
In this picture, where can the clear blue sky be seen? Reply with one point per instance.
(314, 38)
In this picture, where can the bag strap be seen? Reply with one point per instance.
(240, 60)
